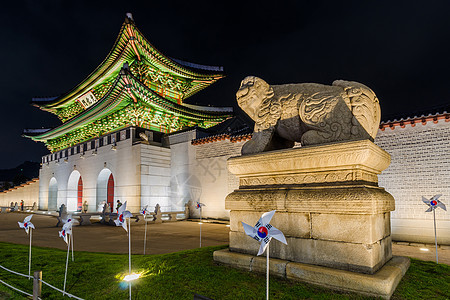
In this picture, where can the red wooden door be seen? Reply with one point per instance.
(110, 192)
(80, 194)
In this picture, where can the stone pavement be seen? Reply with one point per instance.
(161, 238)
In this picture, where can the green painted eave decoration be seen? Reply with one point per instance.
(130, 47)
(127, 103)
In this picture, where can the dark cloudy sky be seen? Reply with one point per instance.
(399, 49)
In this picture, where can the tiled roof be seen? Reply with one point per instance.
(440, 113)
(234, 129)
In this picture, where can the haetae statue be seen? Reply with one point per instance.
(308, 113)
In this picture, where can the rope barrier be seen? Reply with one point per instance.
(17, 273)
(48, 284)
(64, 293)
(16, 289)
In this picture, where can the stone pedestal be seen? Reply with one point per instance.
(328, 203)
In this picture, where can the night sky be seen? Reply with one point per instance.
(399, 49)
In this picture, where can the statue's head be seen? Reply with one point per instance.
(252, 92)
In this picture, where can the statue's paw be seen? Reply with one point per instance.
(314, 137)
(251, 147)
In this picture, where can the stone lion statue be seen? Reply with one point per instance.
(308, 113)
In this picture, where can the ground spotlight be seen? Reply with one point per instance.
(132, 276)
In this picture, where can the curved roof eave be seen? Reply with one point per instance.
(114, 60)
(107, 105)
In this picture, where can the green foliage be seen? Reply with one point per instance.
(424, 280)
(180, 275)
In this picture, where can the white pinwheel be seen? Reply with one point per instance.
(122, 215)
(144, 211)
(433, 203)
(199, 205)
(263, 232)
(66, 230)
(69, 219)
(26, 224)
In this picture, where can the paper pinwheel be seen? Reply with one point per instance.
(433, 203)
(144, 210)
(263, 232)
(69, 219)
(26, 224)
(66, 229)
(122, 215)
(199, 205)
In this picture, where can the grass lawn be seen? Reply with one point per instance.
(180, 275)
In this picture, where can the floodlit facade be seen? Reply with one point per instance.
(115, 139)
(420, 166)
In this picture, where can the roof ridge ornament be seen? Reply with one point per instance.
(130, 16)
(125, 68)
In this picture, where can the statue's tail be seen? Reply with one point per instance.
(363, 104)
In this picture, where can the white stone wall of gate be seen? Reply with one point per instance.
(200, 173)
(420, 166)
(212, 171)
(58, 179)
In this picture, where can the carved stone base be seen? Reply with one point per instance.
(380, 284)
(328, 203)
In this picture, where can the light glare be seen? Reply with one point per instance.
(132, 276)
(424, 249)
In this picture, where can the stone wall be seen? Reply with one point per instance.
(28, 192)
(155, 165)
(420, 166)
(199, 173)
(217, 181)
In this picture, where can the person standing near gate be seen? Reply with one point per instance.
(85, 206)
(21, 205)
(119, 204)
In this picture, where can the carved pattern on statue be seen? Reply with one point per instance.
(312, 178)
(333, 200)
(361, 154)
(357, 200)
(308, 113)
(260, 201)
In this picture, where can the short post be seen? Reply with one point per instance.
(37, 285)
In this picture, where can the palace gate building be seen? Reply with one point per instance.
(115, 139)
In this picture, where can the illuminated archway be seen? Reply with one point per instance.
(74, 192)
(105, 189)
(53, 194)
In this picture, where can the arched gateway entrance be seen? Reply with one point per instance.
(105, 189)
(75, 192)
(52, 194)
